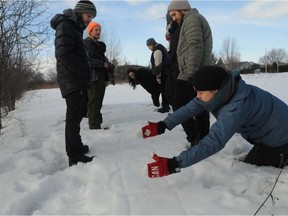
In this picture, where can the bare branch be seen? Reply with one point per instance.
(282, 164)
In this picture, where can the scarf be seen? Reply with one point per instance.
(225, 92)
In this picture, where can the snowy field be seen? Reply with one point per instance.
(35, 177)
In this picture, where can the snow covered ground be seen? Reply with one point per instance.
(35, 177)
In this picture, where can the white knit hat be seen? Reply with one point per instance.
(179, 5)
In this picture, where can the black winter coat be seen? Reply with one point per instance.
(172, 65)
(146, 79)
(73, 71)
(96, 58)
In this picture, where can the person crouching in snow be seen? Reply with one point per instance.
(260, 118)
(147, 80)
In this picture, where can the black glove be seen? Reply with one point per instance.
(173, 27)
(161, 127)
(173, 165)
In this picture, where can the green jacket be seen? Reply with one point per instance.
(195, 44)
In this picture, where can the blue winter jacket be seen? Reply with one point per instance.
(257, 115)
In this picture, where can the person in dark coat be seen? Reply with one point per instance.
(158, 62)
(258, 116)
(147, 80)
(99, 68)
(73, 73)
(194, 50)
(172, 36)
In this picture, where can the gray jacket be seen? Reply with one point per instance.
(195, 44)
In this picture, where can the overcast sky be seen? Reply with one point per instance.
(255, 25)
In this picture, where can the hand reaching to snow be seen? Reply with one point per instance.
(162, 166)
(152, 129)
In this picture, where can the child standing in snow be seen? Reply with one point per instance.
(257, 115)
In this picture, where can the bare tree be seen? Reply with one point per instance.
(214, 57)
(274, 57)
(230, 54)
(21, 35)
(52, 75)
(113, 46)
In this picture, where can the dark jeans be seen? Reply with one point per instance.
(75, 102)
(155, 98)
(165, 102)
(95, 101)
(197, 127)
(261, 155)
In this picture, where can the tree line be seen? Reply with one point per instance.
(274, 60)
(21, 36)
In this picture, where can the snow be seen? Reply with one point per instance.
(35, 177)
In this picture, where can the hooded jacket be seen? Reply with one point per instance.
(257, 115)
(195, 44)
(73, 71)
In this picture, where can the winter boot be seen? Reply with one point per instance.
(164, 109)
(156, 102)
(85, 149)
(95, 127)
(79, 158)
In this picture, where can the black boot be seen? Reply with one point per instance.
(79, 158)
(156, 102)
(85, 149)
(164, 109)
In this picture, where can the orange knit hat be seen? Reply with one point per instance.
(92, 25)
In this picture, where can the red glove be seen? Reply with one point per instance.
(150, 130)
(159, 168)
(153, 129)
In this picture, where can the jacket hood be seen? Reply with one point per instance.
(68, 14)
(58, 18)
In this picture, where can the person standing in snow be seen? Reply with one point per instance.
(158, 62)
(190, 126)
(194, 50)
(172, 36)
(147, 80)
(73, 73)
(99, 68)
(260, 118)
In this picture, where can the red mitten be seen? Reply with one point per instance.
(159, 168)
(150, 130)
